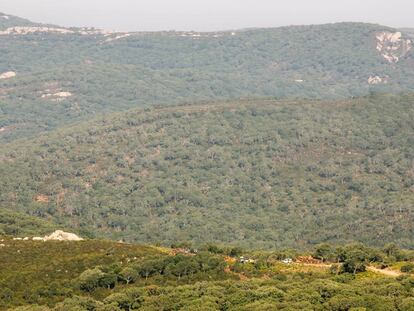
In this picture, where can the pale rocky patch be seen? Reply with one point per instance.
(21, 30)
(7, 75)
(198, 35)
(378, 80)
(118, 37)
(63, 94)
(59, 96)
(60, 235)
(392, 46)
(42, 198)
(93, 31)
(24, 30)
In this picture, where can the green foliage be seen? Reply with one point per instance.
(77, 303)
(189, 282)
(48, 272)
(407, 268)
(323, 252)
(19, 224)
(128, 275)
(90, 279)
(327, 61)
(355, 261)
(252, 173)
(260, 174)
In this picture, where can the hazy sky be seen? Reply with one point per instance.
(205, 15)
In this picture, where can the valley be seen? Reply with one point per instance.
(248, 169)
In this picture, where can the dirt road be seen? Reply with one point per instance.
(387, 272)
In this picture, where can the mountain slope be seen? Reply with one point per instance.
(7, 21)
(408, 31)
(257, 173)
(64, 75)
(46, 272)
(12, 223)
(101, 275)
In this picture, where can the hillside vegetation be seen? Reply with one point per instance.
(255, 173)
(19, 224)
(64, 75)
(271, 169)
(101, 275)
(42, 272)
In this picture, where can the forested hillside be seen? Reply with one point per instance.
(18, 224)
(256, 169)
(408, 31)
(51, 76)
(108, 276)
(255, 173)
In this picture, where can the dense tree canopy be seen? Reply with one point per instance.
(99, 275)
(252, 173)
(328, 61)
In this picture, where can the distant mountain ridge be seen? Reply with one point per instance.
(408, 31)
(51, 76)
(7, 21)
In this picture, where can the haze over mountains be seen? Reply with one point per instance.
(325, 156)
(295, 142)
(53, 76)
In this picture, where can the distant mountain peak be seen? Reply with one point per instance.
(7, 20)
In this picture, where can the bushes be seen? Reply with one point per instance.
(90, 279)
(355, 261)
(407, 268)
(163, 282)
(171, 267)
(128, 275)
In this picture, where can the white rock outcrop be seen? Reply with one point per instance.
(118, 37)
(59, 96)
(21, 30)
(63, 94)
(378, 80)
(24, 30)
(60, 235)
(7, 75)
(392, 46)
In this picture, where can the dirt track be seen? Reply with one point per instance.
(385, 271)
